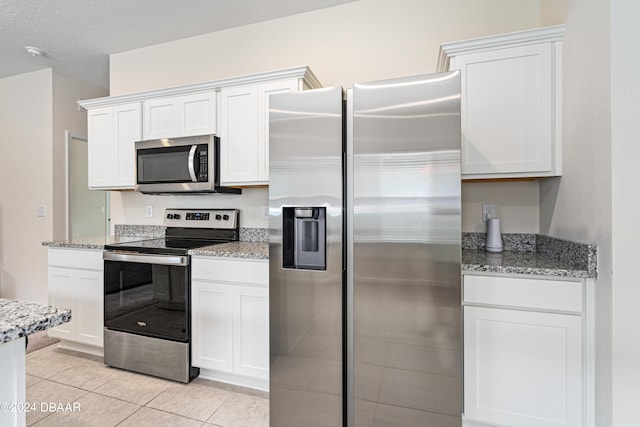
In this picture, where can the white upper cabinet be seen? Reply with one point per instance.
(244, 131)
(511, 103)
(176, 116)
(240, 104)
(113, 131)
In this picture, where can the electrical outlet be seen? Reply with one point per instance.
(41, 211)
(265, 212)
(488, 211)
(149, 209)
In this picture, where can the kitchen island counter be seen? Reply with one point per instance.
(19, 319)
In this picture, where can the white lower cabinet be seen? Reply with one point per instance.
(76, 282)
(524, 352)
(230, 320)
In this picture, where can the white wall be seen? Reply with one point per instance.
(361, 41)
(517, 205)
(578, 205)
(25, 131)
(129, 207)
(36, 109)
(625, 130)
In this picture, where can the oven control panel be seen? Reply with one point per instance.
(202, 218)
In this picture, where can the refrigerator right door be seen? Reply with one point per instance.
(403, 177)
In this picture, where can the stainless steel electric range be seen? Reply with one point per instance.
(147, 293)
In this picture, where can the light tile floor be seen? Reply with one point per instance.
(73, 389)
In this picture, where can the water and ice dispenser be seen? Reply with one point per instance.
(304, 239)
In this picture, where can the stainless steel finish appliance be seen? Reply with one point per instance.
(147, 293)
(372, 333)
(180, 165)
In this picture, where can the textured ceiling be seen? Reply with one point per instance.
(79, 35)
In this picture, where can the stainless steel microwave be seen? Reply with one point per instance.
(180, 165)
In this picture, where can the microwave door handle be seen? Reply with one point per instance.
(192, 157)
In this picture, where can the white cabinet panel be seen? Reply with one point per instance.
(230, 318)
(178, 116)
(244, 131)
(161, 118)
(62, 293)
(198, 114)
(507, 111)
(76, 286)
(239, 134)
(522, 368)
(538, 294)
(251, 340)
(101, 147)
(265, 90)
(212, 325)
(511, 103)
(112, 134)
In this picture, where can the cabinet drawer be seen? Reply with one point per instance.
(76, 258)
(539, 294)
(254, 272)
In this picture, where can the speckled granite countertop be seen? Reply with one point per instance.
(19, 318)
(254, 250)
(252, 245)
(95, 243)
(530, 254)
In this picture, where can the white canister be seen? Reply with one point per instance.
(494, 237)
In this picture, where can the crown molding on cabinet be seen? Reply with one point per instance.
(546, 34)
(302, 72)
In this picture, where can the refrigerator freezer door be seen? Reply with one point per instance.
(306, 266)
(404, 179)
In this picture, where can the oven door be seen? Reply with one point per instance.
(147, 295)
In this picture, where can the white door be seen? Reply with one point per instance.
(87, 208)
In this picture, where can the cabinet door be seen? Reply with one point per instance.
(90, 306)
(81, 291)
(212, 325)
(507, 111)
(197, 114)
(161, 118)
(522, 368)
(63, 294)
(251, 332)
(112, 133)
(264, 92)
(128, 130)
(101, 160)
(238, 135)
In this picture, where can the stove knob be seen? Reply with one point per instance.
(225, 217)
(218, 217)
(176, 216)
(169, 216)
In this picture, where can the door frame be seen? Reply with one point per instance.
(67, 146)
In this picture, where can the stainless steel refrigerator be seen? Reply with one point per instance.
(364, 219)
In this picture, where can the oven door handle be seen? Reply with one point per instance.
(146, 258)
